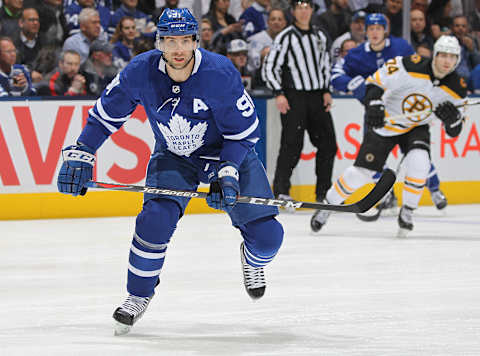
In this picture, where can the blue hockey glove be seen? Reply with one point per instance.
(224, 188)
(76, 170)
(375, 111)
(355, 83)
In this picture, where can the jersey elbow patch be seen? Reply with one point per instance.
(98, 112)
(243, 134)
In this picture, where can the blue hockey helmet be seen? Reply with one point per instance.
(177, 22)
(376, 19)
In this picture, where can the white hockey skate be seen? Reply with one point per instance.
(405, 221)
(253, 277)
(439, 199)
(129, 312)
(319, 218)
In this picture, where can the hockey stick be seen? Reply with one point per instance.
(379, 190)
(429, 111)
(374, 217)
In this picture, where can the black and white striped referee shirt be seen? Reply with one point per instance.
(298, 59)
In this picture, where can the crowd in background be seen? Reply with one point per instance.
(76, 47)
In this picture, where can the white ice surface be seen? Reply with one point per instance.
(353, 290)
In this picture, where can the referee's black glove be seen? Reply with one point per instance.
(448, 113)
(375, 111)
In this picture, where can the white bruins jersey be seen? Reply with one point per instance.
(410, 86)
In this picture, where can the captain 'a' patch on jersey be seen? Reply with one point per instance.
(410, 86)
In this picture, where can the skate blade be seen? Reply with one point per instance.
(121, 329)
(402, 233)
(390, 212)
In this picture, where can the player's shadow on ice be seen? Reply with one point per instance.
(235, 339)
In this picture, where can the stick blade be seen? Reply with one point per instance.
(383, 186)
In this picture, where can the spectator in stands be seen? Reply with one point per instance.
(220, 18)
(421, 5)
(142, 45)
(90, 30)
(419, 31)
(424, 51)
(72, 12)
(346, 46)
(46, 61)
(474, 80)
(15, 79)
(356, 33)
(206, 33)
(28, 42)
(439, 16)
(393, 10)
(65, 80)
(474, 21)
(470, 56)
(98, 69)
(369, 6)
(169, 4)
(53, 26)
(224, 26)
(237, 52)
(457, 7)
(281, 4)
(260, 43)
(9, 15)
(143, 21)
(123, 40)
(335, 21)
(255, 17)
(237, 7)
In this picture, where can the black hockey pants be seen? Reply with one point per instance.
(306, 113)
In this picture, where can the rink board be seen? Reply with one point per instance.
(33, 132)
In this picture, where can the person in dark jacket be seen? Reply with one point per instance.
(15, 79)
(65, 80)
(98, 69)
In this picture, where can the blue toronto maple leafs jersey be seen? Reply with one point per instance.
(210, 115)
(362, 60)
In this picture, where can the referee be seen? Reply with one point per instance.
(297, 69)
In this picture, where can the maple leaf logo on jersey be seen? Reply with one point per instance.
(181, 138)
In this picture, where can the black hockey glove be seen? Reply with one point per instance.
(375, 111)
(448, 113)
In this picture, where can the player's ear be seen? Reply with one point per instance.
(196, 39)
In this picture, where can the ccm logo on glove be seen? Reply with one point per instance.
(74, 155)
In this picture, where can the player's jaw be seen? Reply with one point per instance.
(178, 59)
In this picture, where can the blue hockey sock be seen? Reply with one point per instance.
(263, 238)
(433, 183)
(154, 226)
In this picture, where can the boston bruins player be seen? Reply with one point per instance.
(404, 85)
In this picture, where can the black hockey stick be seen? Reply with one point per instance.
(379, 190)
(376, 214)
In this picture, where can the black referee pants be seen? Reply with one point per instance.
(306, 113)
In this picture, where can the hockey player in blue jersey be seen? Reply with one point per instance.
(349, 76)
(205, 126)
(365, 59)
